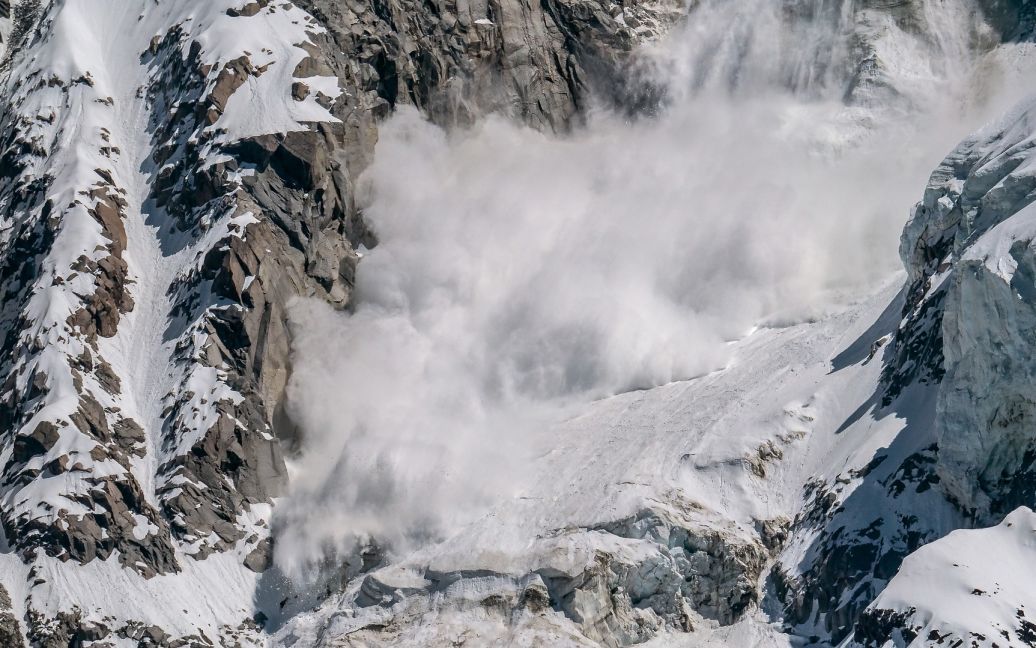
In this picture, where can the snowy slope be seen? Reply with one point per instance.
(719, 459)
(105, 390)
(973, 586)
(968, 249)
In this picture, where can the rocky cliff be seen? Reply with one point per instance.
(966, 333)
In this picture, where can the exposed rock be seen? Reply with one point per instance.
(58, 347)
(11, 634)
(619, 584)
(299, 90)
(975, 308)
(876, 627)
(1011, 20)
(456, 61)
(258, 559)
(65, 629)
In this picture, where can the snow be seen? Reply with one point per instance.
(327, 86)
(682, 446)
(100, 123)
(271, 38)
(993, 248)
(973, 582)
(1005, 174)
(206, 596)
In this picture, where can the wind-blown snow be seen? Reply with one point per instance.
(518, 274)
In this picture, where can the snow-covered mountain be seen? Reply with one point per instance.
(505, 323)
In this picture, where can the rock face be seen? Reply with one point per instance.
(856, 533)
(968, 248)
(959, 372)
(535, 62)
(966, 334)
(10, 630)
(1011, 20)
(661, 570)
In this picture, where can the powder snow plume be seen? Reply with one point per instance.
(518, 272)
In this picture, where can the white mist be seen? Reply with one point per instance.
(518, 272)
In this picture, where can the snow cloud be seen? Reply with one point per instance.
(518, 273)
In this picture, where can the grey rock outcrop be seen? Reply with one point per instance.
(534, 62)
(968, 248)
(958, 371)
(10, 630)
(620, 584)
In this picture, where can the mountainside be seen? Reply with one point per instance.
(843, 459)
(967, 249)
(174, 174)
